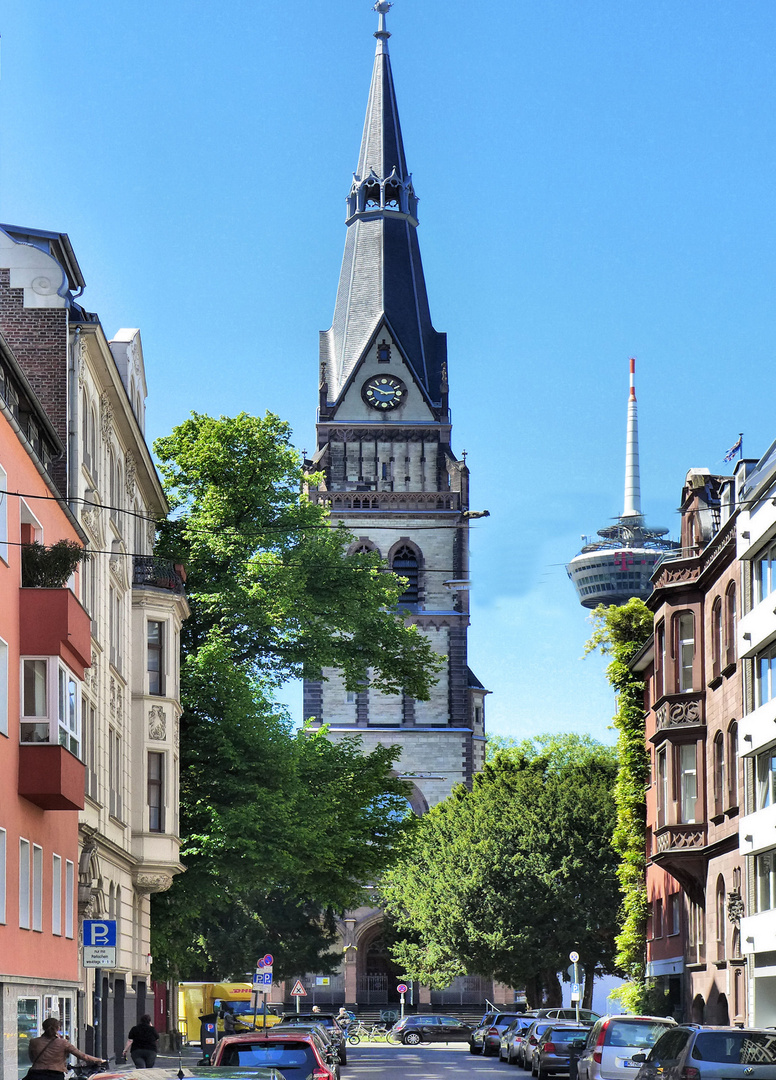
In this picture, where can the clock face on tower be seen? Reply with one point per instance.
(383, 392)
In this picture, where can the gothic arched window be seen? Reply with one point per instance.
(405, 563)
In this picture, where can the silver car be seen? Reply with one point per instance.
(612, 1042)
(711, 1053)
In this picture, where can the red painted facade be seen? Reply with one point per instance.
(39, 934)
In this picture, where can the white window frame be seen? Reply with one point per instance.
(3, 875)
(56, 895)
(3, 515)
(765, 675)
(69, 898)
(37, 888)
(24, 884)
(765, 778)
(765, 880)
(3, 687)
(62, 718)
(688, 783)
(685, 651)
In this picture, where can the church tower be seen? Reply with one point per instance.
(383, 446)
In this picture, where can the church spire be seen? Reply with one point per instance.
(381, 281)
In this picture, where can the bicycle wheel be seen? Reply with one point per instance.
(354, 1039)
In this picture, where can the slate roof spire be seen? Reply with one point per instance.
(382, 274)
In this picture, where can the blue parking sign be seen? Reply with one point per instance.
(100, 943)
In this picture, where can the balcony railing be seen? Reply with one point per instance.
(679, 711)
(147, 571)
(680, 838)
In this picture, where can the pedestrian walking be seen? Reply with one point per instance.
(50, 1051)
(141, 1043)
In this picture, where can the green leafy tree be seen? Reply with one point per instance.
(506, 879)
(620, 632)
(280, 829)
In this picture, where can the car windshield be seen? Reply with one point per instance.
(640, 1033)
(289, 1057)
(736, 1047)
(505, 1018)
(565, 1034)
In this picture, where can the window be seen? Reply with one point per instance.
(688, 783)
(89, 714)
(660, 660)
(3, 687)
(685, 651)
(44, 720)
(657, 918)
(720, 782)
(37, 887)
(716, 638)
(114, 771)
(766, 779)
(730, 624)
(764, 567)
(674, 913)
(350, 697)
(85, 437)
(69, 888)
(2, 875)
(697, 935)
(733, 763)
(114, 605)
(765, 675)
(765, 880)
(24, 884)
(662, 787)
(155, 645)
(155, 792)
(405, 563)
(113, 485)
(3, 515)
(721, 919)
(56, 895)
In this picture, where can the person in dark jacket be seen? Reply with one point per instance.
(141, 1043)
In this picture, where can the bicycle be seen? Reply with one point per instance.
(372, 1032)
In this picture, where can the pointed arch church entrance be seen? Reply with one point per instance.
(377, 976)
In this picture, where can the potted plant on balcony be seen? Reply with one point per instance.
(50, 567)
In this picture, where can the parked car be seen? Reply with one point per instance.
(612, 1042)
(486, 1038)
(509, 1036)
(525, 1046)
(567, 1013)
(414, 1029)
(203, 1072)
(299, 1055)
(552, 1053)
(690, 1052)
(327, 1036)
(327, 1020)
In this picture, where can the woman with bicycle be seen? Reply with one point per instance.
(50, 1051)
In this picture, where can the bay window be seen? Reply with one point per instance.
(662, 787)
(685, 651)
(766, 779)
(688, 783)
(765, 880)
(51, 697)
(764, 567)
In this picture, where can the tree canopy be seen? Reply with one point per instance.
(281, 830)
(506, 879)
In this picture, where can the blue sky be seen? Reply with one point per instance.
(596, 182)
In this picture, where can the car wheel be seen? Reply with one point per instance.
(487, 1051)
(542, 1073)
(411, 1038)
(474, 1049)
(343, 1056)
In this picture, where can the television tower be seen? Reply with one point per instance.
(621, 563)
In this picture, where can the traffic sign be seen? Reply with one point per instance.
(576, 992)
(574, 957)
(99, 943)
(299, 990)
(263, 979)
(401, 989)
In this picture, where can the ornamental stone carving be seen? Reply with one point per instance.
(735, 907)
(157, 723)
(151, 882)
(106, 416)
(83, 352)
(679, 714)
(681, 840)
(130, 474)
(112, 696)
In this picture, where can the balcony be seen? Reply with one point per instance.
(53, 623)
(678, 712)
(51, 777)
(681, 850)
(150, 572)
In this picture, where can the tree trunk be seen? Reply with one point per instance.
(587, 997)
(553, 988)
(533, 992)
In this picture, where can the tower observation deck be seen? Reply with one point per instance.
(620, 564)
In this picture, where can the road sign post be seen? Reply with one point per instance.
(298, 992)
(402, 989)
